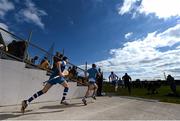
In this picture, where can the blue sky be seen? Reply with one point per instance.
(134, 36)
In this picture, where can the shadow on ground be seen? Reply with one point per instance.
(62, 106)
(11, 115)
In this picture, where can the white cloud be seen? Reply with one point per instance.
(128, 5)
(160, 8)
(31, 14)
(128, 35)
(5, 6)
(143, 59)
(178, 21)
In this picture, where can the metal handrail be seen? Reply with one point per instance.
(38, 47)
(11, 56)
(27, 62)
(37, 66)
(12, 34)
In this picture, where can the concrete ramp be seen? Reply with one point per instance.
(104, 108)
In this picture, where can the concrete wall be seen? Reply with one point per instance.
(18, 83)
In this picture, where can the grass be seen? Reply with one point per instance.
(162, 95)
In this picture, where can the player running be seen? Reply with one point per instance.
(114, 78)
(56, 77)
(92, 86)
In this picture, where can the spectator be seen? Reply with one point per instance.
(99, 79)
(126, 78)
(172, 83)
(73, 71)
(17, 48)
(33, 60)
(43, 60)
(45, 64)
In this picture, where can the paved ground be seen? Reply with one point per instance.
(103, 108)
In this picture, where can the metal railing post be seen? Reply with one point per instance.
(26, 49)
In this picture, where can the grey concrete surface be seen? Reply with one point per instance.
(110, 108)
(18, 83)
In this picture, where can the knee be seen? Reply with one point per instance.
(44, 91)
(66, 85)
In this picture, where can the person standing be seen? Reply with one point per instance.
(99, 82)
(172, 83)
(127, 82)
(45, 64)
(33, 60)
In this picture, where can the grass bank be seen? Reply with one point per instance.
(162, 95)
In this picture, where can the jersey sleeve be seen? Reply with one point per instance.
(88, 70)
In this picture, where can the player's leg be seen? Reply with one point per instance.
(66, 89)
(86, 95)
(39, 93)
(116, 86)
(95, 87)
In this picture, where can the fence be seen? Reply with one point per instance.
(20, 49)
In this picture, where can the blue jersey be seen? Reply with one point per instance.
(92, 73)
(52, 80)
(57, 70)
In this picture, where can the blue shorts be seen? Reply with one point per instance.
(54, 81)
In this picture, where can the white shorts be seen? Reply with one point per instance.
(92, 80)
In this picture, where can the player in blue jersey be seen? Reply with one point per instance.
(56, 77)
(91, 83)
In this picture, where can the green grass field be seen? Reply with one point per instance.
(142, 93)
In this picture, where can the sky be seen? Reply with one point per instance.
(138, 37)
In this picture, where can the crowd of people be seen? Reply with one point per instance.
(117, 81)
(151, 86)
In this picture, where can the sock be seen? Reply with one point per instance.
(35, 96)
(94, 94)
(84, 97)
(65, 93)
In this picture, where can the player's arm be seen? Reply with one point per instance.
(117, 77)
(59, 68)
(123, 78)
(130, 78)
(109, 78)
